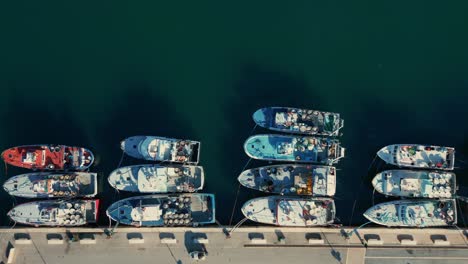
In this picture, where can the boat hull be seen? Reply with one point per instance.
(52, 185)
(56, 213)
(418, 156)
(299, 121)
(290, 211)
(151, 178)
(416, 184)
(162, 149)
(49, 157)
(291, 179)
(294, 148)
(164, 210)
(414, 213)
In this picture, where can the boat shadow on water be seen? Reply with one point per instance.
(53, 123)
(256, 86)
(140, 110)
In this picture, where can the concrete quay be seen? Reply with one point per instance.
(246, 245)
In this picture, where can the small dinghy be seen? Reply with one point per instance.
(290, 179)
(151, 178)
(417, 184)
(290, 211)
(414, 213)
(56, 213)
(294, 148)
(300, 121)
(162, 149)
(164, 210)
(52, 185)
(49, 157)
(418, 156)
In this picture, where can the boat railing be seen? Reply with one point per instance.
(337, 130)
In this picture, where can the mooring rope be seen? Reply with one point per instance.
(237, 194)
(237, 225)
(350, 233)
(359, 191)
(373, 196)
(121, 159)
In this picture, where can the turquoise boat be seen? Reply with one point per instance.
(299, 121)
(294, 148)
(414, 213)
(162, 149)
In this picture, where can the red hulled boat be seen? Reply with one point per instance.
(49, 157)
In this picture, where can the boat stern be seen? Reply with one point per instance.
(331, 181)
(94, 209)
(87, 159)
(451, 158)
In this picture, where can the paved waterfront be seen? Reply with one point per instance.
(246, 245)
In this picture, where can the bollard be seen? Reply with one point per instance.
(168, 240)
(441, 242)
(316, 241)
(136, 240)
(87, 241)
(258, 240)
(408, 242)
(200, 240)
(55, 241)
(374, 242)
(23, 241)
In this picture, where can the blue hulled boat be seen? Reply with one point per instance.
(164, 210)
(162, 149)
(300, 121)
(294, 148)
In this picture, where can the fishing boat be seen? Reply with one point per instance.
(162, 149)
(300, 121)
(417, 184)
(49, 157)
(414, 213)
(290, 211)
(150, 178)
(56, 213)
(52, 185)
(294, 148)
(418, 156)
(291, 179)
(164, 210)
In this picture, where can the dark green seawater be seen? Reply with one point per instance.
(91, 74)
